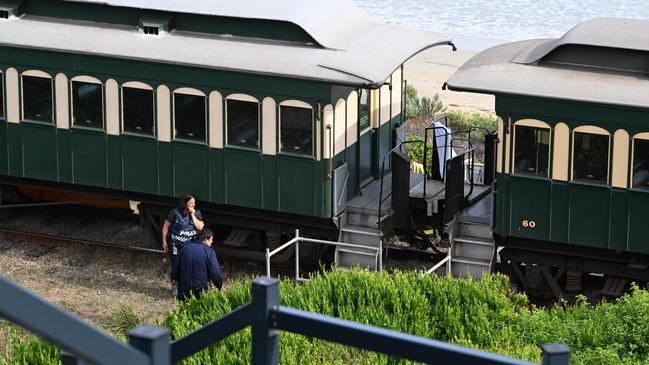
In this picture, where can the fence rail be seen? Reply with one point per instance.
(296, 241)
(150, 345)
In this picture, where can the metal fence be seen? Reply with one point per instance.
(83, 344)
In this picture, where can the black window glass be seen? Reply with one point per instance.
(532, 150)
(243, 123)
(189, 117)
(641, 163)
(87, 104)
(364, 109)
(591, 157)
(2, 96)
(137, 107)
(37, 98)
(296, 130)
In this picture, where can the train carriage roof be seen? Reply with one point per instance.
(351, 49)
(603, 60)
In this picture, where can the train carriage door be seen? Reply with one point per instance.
(366, 138)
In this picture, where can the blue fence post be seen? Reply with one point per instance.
(265, 342)
(153, 341)
(69, 359)
(555, 354)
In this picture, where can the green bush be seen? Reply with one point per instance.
(482, 314)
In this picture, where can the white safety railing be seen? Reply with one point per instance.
(297, 240)
(445, 261)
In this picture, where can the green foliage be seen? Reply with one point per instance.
(415, 151)
(420, 111)
(482, 314)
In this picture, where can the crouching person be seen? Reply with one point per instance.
(197, 266)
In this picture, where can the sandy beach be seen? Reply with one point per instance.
(428, 71)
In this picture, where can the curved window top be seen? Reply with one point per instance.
(242, 97)
(87, 79)
(137, 85)
(643, 135)
(533, 123)
(592, 130)
(37, 73)
(296, 104)
(189, 91)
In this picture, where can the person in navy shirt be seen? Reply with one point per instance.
(181, 226)
(197, 267)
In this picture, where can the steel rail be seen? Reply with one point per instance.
(54, 240)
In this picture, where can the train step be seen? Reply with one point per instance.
(474, 247)
(474, 229)
(349, 258)
(466, 266)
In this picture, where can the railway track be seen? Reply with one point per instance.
(52, 240)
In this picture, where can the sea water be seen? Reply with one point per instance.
(487, 22)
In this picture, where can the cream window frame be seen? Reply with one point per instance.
(644, 136)
(296, 104)
(141, 86)
(192, 92)
(250, 99)
(44, 75)
(590, 129)
(3, 93)
(538, 124)
(88, 80)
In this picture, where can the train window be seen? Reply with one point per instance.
(591, 155)
(2, 96)
(364, 109)
(641, 163)
(296, 130)
(190, 120)
(37, 98)
(242, 123)
(532, 150)
(137, 110)
(87, 104)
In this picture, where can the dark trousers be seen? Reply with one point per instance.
(173, 258)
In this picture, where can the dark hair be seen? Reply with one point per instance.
(184, 200)
(204, 235)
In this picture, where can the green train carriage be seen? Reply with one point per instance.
(249, 106)
(572, 189)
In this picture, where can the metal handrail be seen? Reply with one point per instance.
(471, 150)
(297, 239)
(399, 145)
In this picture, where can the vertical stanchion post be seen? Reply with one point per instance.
(297, 261)
(153, 341)
(297, 255)
(268, 262)
(265, 342)
(380, 255)
(555, 354)
(69, 359)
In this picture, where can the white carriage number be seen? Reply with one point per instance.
(529, 224)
